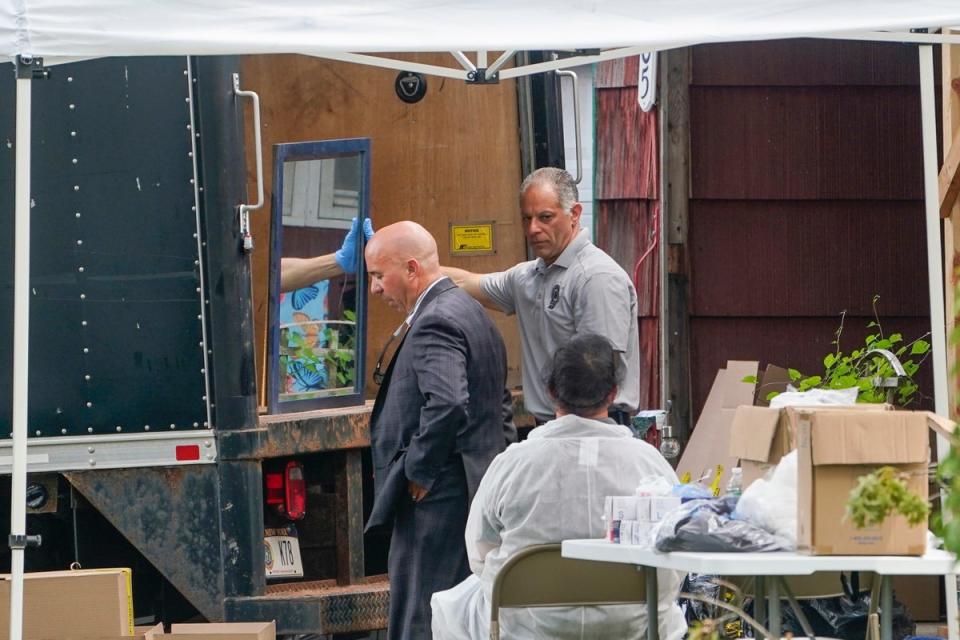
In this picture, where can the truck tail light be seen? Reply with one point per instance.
(295, 491)
(286, 491)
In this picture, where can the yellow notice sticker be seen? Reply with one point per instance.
(471, 238)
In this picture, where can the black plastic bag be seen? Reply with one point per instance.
(705, 525)
(844, 616)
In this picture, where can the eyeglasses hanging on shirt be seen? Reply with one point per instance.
(378, 372)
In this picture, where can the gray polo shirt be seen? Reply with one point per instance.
(583, 291)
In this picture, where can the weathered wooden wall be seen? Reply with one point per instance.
(453, 157)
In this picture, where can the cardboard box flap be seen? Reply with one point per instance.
(752, 432)
(943, 426)
(884, 437)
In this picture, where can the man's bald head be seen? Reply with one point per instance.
(406, 240)
(402, 262)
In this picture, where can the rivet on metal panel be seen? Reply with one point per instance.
(86, 350)
(69, 78)
(86, 377)
(83, 296)
(38, 432)
(91, 450)
(89, 429)
(79, 242)
(206, 443)
(173, 426)
(119, 428)
(89, 404)
(72, 107)
(73, 160)
(73, 134)
(63, 431)
(146, 427)
(77, 214)
(76, 187)
(93, 462)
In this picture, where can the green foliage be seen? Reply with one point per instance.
(864, 370)
(703, 630)
(948, 477)
(879, 494)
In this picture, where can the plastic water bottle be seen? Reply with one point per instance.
(735, 483)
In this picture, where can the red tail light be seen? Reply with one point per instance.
(295, 491)
(274, 490)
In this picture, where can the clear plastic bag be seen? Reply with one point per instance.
(705, 525)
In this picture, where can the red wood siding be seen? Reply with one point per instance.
(626, 208)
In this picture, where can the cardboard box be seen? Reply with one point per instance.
(706, 451)
(223, 631)
(760, 436)
(835, 448)
(89, 603)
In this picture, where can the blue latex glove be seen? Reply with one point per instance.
(346, 256)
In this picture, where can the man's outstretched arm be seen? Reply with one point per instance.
(470, 282)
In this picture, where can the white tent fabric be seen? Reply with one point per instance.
(96, 28)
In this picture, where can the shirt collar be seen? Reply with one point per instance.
(416, 306)
(573, 426)
(566, 257)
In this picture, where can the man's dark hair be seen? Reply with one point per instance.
(582, 374)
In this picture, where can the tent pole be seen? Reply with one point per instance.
(21, 347)
(938, 339)
(934, 260)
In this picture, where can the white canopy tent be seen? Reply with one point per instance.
(58, 31)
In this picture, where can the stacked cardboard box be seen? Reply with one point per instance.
(97, 604)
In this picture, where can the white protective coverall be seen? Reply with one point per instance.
(549, 488)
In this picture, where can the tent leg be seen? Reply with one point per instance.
(21, 345)
(934, 260)
(935, 279)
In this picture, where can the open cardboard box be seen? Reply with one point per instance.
(836, 446)
(223, 631)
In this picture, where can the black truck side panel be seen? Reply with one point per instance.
(115, 334)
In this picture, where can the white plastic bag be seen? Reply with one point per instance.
(771, 503)
(814, 397)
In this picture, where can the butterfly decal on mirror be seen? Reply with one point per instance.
(307, 377)
(301, 297)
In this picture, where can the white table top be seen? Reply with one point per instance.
(781, 563)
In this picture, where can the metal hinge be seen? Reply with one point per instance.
(30, 68)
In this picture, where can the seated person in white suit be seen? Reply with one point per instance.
(549, 488)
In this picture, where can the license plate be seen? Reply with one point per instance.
(282, 556)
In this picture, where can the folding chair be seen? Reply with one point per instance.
(538, 576)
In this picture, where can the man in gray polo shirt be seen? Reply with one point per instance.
(572, 287)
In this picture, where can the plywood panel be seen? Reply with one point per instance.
(805, 63)
(806, 143)
(800, 343)
(774, 258)
(452, 157)
(627, 152)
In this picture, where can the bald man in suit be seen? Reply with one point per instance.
(440, 417)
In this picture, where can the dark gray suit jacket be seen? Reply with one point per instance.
(444, 394)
